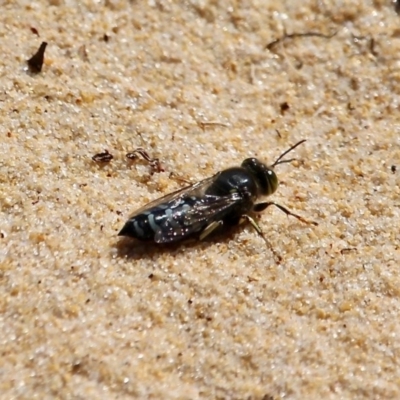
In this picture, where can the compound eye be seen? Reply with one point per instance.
(271, 182)
(265, 177)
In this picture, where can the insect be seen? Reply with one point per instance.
(104, 157)
(225, 199)
(154, 162)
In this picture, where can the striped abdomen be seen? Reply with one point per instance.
(166, 222)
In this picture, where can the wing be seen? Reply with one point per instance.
(186, 211)
(192, 215)
(196, 190)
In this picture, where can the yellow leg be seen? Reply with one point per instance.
(210, 228)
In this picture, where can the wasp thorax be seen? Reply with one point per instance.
(265, 177)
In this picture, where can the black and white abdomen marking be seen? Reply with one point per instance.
(153, 223)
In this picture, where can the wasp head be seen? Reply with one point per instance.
(265, 177)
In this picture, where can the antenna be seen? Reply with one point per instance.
(279, 159)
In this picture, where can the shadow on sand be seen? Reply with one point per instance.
(135, 249)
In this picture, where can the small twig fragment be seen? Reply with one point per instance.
(34, 31)
(270, 46)
(205, 124)
(397, 6)
(35, 63)
(347, 250)
(180, 179)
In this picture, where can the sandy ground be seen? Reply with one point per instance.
(201, 85)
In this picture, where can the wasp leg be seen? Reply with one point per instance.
(262, 206)
(260, 232)
(210, 228)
